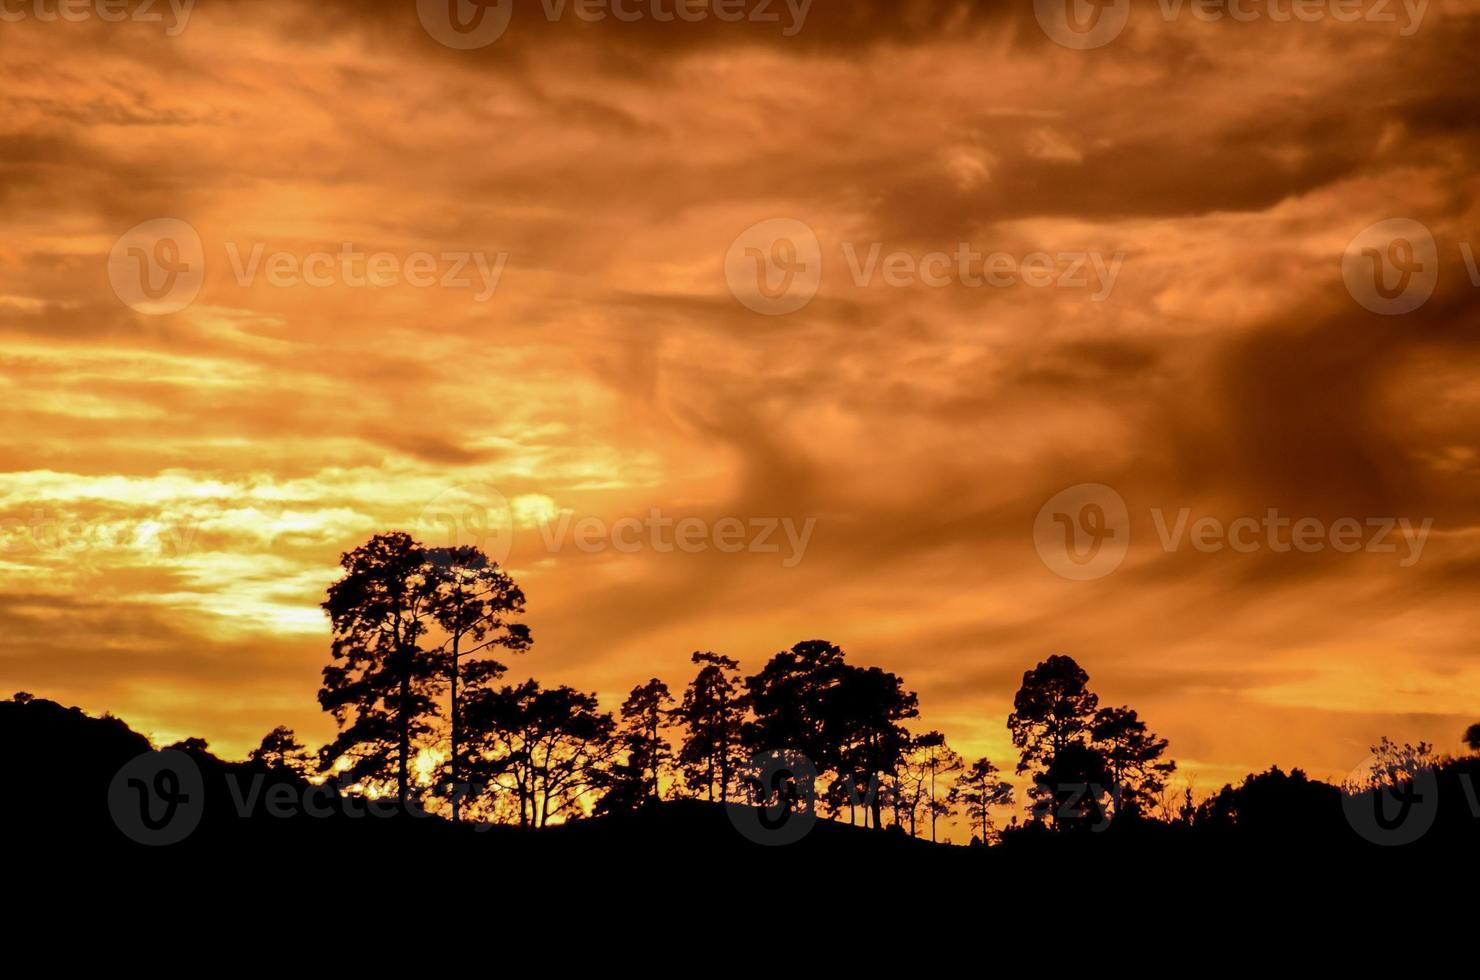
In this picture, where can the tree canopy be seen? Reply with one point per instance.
(412, 678)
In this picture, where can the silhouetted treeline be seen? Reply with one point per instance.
(411, 679)
(66, 791)
(429, 728)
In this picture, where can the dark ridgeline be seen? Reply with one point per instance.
(533, 777)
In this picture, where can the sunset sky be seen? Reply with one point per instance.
(176, 487)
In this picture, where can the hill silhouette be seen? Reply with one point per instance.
(67, 765)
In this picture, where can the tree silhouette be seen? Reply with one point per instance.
(546, 753)
(1133, 758)
(939, 807)
(280, 749)
(382, 686)
(474, 602)
(635, 781)
(194, 745)
(846, 792)
(1052, 712)
(927, 759)
(791, 700)
(939, 760)
(713, 715)
(909, 787)
(978, 790)
(844, 719)
(1074, 789)
(548, 746)
(1394, 765)
(1272, 805)
(1472, 738)
(863, 712)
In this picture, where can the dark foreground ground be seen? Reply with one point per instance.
(241, 829)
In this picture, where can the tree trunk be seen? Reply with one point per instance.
(724, 750)
(405, 751)
(932, 803)
(456, 792)
(653, 735)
